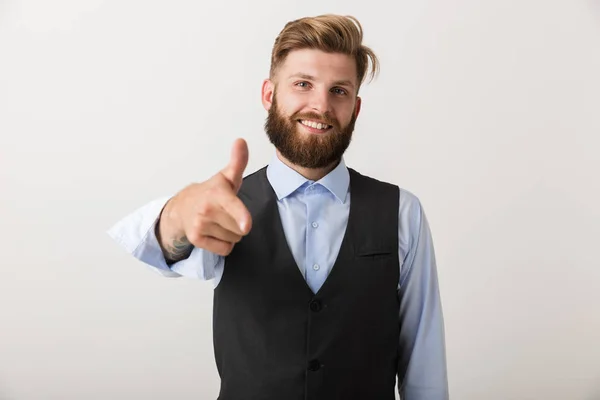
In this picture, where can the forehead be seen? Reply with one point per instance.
(324, 66)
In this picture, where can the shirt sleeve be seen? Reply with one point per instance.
(422, 370)
(136, 234)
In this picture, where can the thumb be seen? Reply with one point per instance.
(234, 171)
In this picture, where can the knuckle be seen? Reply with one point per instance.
(198, 225)
(195, 238)
(204, 208)
(204, 243)
(224, 248)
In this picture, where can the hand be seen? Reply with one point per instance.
(209, 214)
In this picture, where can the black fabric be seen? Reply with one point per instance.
(274, 339)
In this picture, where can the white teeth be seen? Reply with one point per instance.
(316, 125)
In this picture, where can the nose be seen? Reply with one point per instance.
(320, 101)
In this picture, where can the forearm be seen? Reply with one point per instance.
(173, 242)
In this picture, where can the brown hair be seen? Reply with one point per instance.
(329, 33)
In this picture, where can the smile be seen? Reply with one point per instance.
(315, 125)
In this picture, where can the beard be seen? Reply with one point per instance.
(308, 150)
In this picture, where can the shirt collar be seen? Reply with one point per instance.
(286, 181)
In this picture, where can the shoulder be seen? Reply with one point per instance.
(368, 180)
(253, 181)
(409, 204)
(412, 223)
(255, 176)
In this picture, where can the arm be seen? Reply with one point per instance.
(422, 373)
(174, 245)
(136, 233)
(190, 233)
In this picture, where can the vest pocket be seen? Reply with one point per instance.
(375, 253)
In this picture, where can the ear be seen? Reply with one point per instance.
(358, 104)
(268, 88)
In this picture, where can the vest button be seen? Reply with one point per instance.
(315, 306)
(314, 365)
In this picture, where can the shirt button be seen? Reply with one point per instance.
(316, 267)
(314, 365)
(315, 306)
(315, 224)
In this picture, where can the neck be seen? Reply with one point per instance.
(314, 174)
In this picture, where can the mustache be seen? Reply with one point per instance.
(326, 118)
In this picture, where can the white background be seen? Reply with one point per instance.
(489, 111)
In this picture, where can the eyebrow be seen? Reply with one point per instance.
(344, 82)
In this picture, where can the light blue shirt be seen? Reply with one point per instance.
(314, 216)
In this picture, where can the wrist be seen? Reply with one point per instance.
(169, 221)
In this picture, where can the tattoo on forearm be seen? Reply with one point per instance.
(178, 249)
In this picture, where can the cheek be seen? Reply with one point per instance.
(292, 107)
(345, 115)
(291, 103)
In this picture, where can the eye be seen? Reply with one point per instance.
(302, 84)
(340, 91)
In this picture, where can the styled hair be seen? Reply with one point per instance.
(329, 33)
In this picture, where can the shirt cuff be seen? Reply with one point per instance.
(135, 233)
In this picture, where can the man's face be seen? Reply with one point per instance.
(312, 107)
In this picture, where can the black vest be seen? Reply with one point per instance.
(274, 339)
